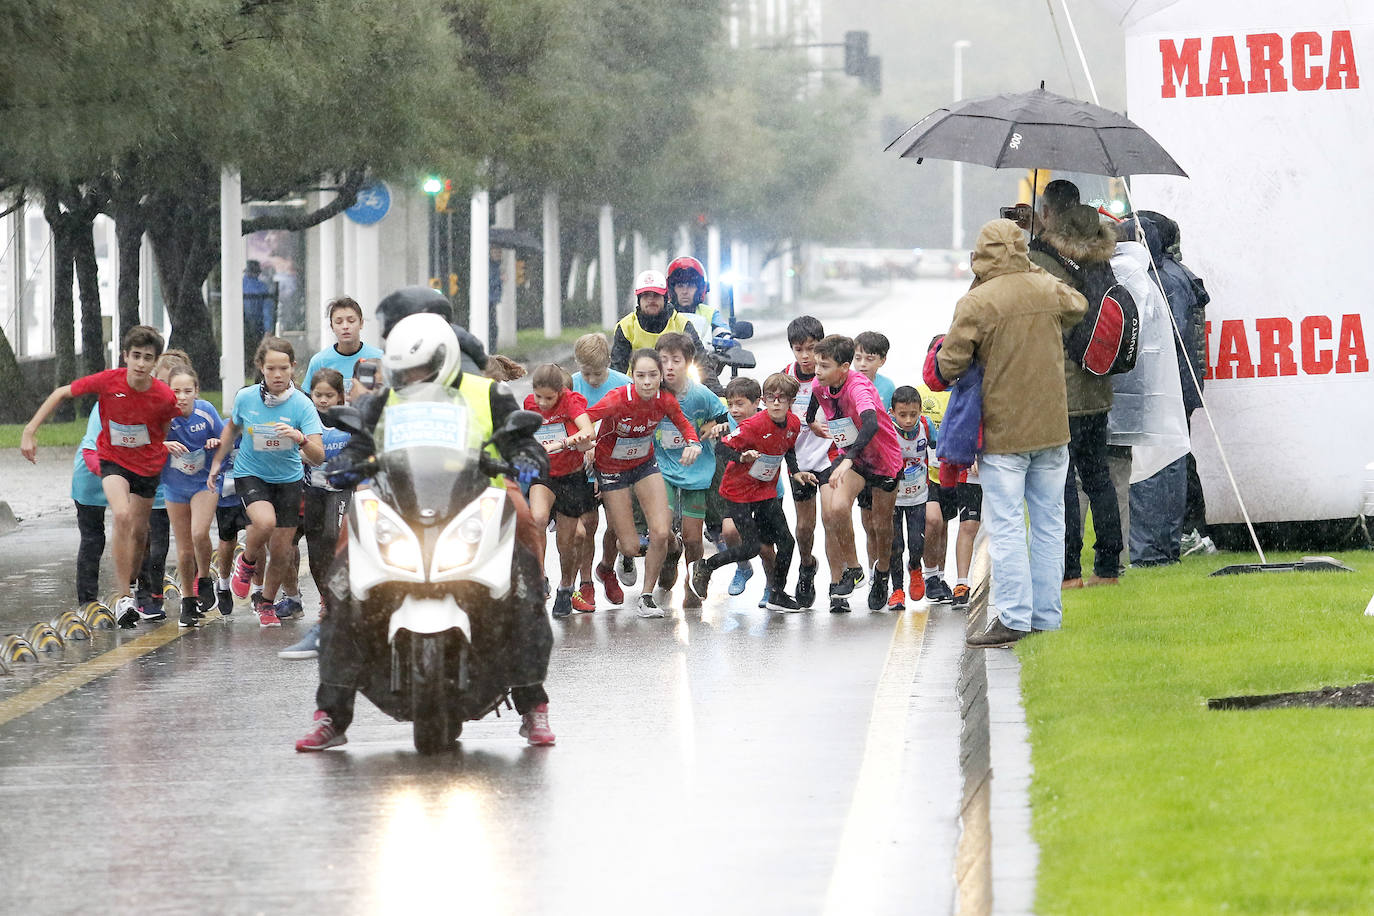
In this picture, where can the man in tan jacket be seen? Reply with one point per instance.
(1012, 322)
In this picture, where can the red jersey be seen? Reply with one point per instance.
(560, 423)
(626, 438)
(758, 480)
(132, 423)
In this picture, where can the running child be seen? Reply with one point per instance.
(566, 493)
(346, 321)
(625, 462)
(813, 451)
(758, 449)
(909, 515)
(279, 425)
(594, 379)
(135, 413)
(868, 456)
(870, 354)
(194, 434)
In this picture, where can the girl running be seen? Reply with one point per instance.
(193, 436)
(625, 460)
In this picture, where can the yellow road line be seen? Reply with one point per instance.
(67, 681)
(856, 884)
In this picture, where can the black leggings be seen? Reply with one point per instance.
(154, 571)
(90, 522)
(324, 512)
(759, 523)
(914, 518)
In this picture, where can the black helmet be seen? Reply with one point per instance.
(412, 300)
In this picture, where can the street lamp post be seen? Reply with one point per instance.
(957, 242)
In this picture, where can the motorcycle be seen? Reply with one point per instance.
(432, 555)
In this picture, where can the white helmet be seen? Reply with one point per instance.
(651, 281)
(421, 348)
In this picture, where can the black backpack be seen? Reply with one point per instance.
(1107, 340)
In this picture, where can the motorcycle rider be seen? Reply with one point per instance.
(652, 317)
(687, 288)
(424, 347)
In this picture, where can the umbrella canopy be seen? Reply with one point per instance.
(1037, 130)
(518, 239)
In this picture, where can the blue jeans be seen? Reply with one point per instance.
(1157, 508)
(1027, 573)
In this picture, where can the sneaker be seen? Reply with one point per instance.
(584, 605)
(877, 592)
(534, 726)
(150, 608)
(189, 617)
(1193, 542)
(667, 573)
(225, 599)
(779, 600)
(290, 607)
(205, 594)
(959, 598)
(562, 602)
(763, 602)
(917, 586)
(806, 584)
(322, 735)
(701, 577)
(839, 604)
(614, 594)
(997, 636)
(848, 580)
(126, 612)
(897, 600)
(648, 607)
(256, 596)
(937, 591)
(267, 613)
(241, 582)
(308, 647)
(741, 578)
(691, 601)
(625, 571)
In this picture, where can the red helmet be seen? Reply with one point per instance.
(686, 264)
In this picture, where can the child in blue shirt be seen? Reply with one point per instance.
(190, 503)
(346, 321)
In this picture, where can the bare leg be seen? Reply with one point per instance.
(279, 555)
(881, 515)
(963, 547)
(130, 529)
(837, 507)
(653, 499)
(806, 529)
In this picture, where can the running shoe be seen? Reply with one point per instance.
(691, 601)
(126, 612)
(610, 585)
(960, 598)
(205, 594)
(322, 734)
(308, 647)
(150, 608)
(625, 571)
(267, 613)
(667, 573)
(190, 617)
(897, 600)
(877, 592)
(806, 584)
(937, 591)
(839, 604)
(226, 601)
(701, 577)
(289, 607)
(743, 573)
(779, 600)
(562, 602)
(587, 604)
(534, 726)
(918, 585)
(648, 607)
(850, 578)
(241, 582)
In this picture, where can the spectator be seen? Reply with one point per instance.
(257, 309)
(1012, 322)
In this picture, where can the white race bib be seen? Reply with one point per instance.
(802, 402)
(842, 431)
(269, 440)
(551, 432)
(629, 449)
(912, 487)
(131, 436)
(669, 436)
(189, 463)
(765, 467)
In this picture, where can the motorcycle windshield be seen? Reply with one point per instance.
(430, 449)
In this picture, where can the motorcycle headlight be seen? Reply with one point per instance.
(396, 543)
(457, 546)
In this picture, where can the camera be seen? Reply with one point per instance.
(1016, 213)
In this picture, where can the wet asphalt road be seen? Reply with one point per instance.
(731, 760)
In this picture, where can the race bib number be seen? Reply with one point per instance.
(130, 436)
(669, 436)
(802, 402)
(843, 431)
(426, 424)
(189, 464)
(269, 440)
(765, 467)
(550, 433)
(629, 449)
(913, 484)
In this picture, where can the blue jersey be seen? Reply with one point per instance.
(86, 488)
(262, 452)
(334, 441)
(186, 475)
(333, 359)
(885, 388)
(700, 407)
(228, 494)
(613, 381)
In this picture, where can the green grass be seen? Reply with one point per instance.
(67, 435)
(1144, 801)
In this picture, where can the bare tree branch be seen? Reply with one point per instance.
(347, 196)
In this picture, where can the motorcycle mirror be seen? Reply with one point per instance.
(739, 358)
(742, 329)
(521, 423)
(365, 372)
(346, 417)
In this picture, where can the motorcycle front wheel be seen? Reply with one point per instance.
(435, 728)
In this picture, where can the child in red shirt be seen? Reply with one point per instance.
(625, 460)
(758, 449)
(566, 493)
(136, 411)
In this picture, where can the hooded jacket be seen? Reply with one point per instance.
(1012, 322)
(1081, 236)
(1190, 316)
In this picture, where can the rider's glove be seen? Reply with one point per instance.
(527, 471)
(341, 473)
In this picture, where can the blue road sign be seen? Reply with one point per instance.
(373, 202)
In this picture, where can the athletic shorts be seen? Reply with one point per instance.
(624, 480)
(970, 498)
(802, 492)
(693, 501)
(284, 497)
(573, 495)
(139, 485)
(231, 520)
(947, 497)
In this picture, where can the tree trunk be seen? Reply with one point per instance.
(88, 282)
(63, 310)
(16, 406)
(130, 225)
(185, 233)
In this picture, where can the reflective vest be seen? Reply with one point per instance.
(475, 390)
(641, 339)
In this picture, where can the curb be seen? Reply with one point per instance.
(7, 520)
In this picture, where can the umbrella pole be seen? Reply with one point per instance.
(1035, 186)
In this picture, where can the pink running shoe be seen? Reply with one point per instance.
(322, 736)
(534, 726)
(267, 614)
(241, 582)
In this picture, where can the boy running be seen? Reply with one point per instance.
(346, 321)
(913, 434)
(135, 413)
(813, 451)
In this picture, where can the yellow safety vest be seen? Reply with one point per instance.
(641, 339)
(475, 390)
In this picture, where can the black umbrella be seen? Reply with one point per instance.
(1036, 130)
(518, 239)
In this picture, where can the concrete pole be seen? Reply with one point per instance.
(713, 265)
(788, 283)
(231, 264)
(610, 306)
(553, 268)
(505, 311)
(322, 274)
(957, 235)
(478, 254)
(683, 241)
(641, 256)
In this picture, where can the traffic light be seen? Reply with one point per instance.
(432, 184)
(855, 53)
(872, 75)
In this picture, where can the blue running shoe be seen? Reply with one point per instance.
(742, 576)
(308, 647)
(289, 608)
